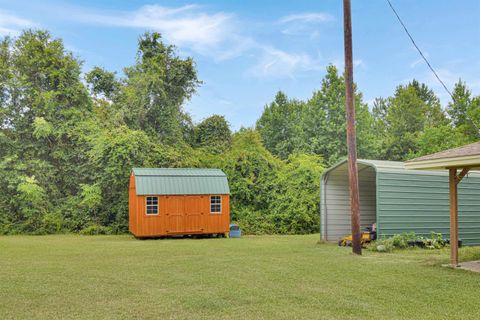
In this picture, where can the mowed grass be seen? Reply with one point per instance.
(257, 277)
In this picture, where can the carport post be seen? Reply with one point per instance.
(453, 217)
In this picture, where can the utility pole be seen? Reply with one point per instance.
(351, 134)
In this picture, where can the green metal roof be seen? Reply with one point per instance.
(171, 181)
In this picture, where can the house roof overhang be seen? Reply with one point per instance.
(463, 157)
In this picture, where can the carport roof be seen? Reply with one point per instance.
(388, 166)
(378, 165)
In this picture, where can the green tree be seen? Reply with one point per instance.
(44, 110)
(324, 123)
(435, 139)
(403, 117)
(114, 153)
(464, 111)
(317, 126)
(214, 134)
(280, 126)
(33, 203)
(434, 112)
(102, 83)
(156, 88)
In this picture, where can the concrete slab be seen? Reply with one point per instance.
(470, 265)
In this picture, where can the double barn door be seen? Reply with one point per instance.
(186, 214)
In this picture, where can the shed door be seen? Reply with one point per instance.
(174, 214)
(193, 213)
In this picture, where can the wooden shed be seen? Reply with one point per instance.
(167, 202)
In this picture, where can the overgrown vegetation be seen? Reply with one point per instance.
(68, 141)
(67, 148)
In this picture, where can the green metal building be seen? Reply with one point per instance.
(398, 200)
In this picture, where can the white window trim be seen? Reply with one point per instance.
(146, 206)
(219, 212)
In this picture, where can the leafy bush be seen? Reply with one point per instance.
(270, 195)
(401, 241)
(436, 241)
(385, 245)
(406, 240)
(52, 223)
(96, 229)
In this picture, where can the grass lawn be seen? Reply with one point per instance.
(258, 277)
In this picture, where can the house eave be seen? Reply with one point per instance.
(472, 162)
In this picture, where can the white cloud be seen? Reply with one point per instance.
(339, 62)
(310, 17)
(278, 64)
(234, 47)
(217, 35)
(184, 26)
(304, 24)
(359, 63)
(11, 24)
(225, 102)
(448, 77)
(418, 61)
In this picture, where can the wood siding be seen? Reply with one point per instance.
(132, 226)
(178, 214)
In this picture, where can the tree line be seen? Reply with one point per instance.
(408, 124)
(68, 140)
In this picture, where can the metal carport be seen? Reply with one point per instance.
(398, 200)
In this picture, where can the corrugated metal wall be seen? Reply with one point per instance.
(419, 202)
(337, 201)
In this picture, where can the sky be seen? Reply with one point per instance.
(246, 51)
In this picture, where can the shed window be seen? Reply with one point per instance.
(152, 205)
(215, 204)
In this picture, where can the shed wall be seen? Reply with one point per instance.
(179, 214)
(419, 202)
(132, 206)
(337, 221)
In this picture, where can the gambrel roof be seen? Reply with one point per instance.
(180, 181)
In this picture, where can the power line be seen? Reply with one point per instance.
(426, 61)
(418, 49)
